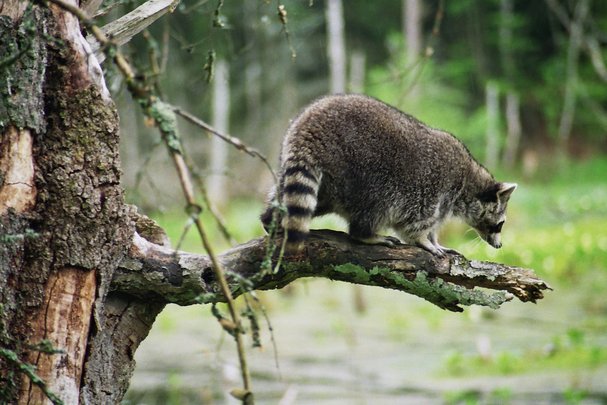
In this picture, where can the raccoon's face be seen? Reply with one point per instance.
(487, 212)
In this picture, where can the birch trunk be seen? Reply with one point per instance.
(412, 20)
(492, 142)
(573, 52)
(513, 127)
(357, 72)
(219, 148)
(336, 47)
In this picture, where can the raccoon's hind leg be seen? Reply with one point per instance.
(272, 212)
(363, 231)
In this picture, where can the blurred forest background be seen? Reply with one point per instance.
(522, 83)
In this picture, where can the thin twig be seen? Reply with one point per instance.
(237, 143)
(270, 329)
(282, 16)
(219, 220)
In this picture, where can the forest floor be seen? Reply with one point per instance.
(400, 350)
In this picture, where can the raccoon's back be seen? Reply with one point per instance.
(358, 140)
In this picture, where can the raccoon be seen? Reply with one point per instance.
(380, 168)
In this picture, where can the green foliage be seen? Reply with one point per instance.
(574, 396)
(18, 366)
(569, 350)
(471, 397)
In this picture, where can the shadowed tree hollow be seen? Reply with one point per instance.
(83, 275)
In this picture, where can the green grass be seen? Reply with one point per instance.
(567, 351)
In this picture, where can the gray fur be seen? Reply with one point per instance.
(380, 168)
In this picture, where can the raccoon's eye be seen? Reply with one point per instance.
(496, 228)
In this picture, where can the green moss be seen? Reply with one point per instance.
(166, 119)
(356, 273)
(435, 290)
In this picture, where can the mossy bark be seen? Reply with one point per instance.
(58, 254)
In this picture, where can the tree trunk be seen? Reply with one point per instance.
(412, 29)
(513, 128)
(336, 47)
(219, 149)
(513, 118)
(576, 32)
(357, 72)
(64, 224)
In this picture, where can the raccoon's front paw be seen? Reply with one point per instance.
(449, 250)
(389, 241)
(436, 250)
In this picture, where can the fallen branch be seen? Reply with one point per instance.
(157, 273)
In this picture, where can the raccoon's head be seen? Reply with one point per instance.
(487, 212)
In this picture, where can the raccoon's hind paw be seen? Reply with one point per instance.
(392, 241)
(271, 218)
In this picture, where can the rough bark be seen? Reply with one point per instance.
(159, 274)
(62, 238)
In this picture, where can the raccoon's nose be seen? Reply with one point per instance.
(495, 242)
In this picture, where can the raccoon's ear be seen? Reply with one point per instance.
(504, 191)
(489, 194)
(498, 192)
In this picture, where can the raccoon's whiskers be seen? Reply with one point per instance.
(473, 243)
(477, 241)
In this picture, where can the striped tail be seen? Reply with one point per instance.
(299, 192)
